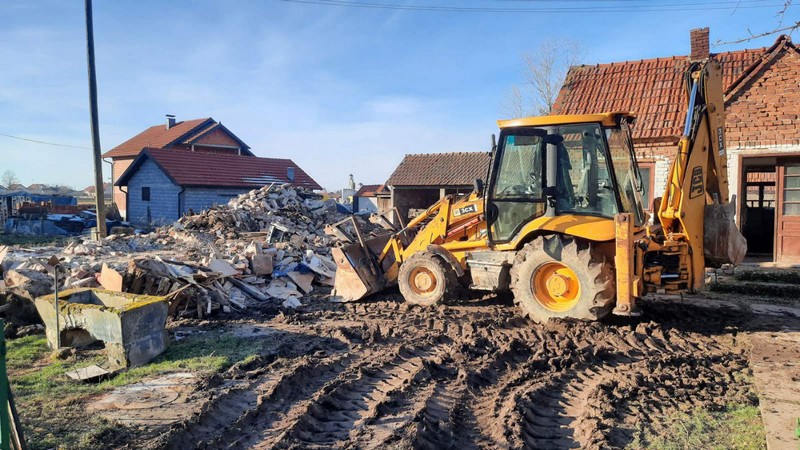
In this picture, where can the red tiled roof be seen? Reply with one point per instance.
(652, 89)
(367, 190)
(157, 136)
(440, 169)
(187, 168)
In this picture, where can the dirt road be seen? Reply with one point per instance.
(384, 375)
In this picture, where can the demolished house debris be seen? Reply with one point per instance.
(269, 244)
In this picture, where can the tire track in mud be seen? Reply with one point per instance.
(356, 399)
(478, 377)
(291, 388)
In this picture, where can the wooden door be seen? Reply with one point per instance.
(787, 220)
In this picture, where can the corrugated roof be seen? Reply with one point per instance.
(187, 168)
(440, 169)
(652, 89)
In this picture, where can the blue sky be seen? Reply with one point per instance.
(337, 89)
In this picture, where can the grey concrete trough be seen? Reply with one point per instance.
(130, 325)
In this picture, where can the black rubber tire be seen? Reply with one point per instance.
(446, 279)
(595, 275)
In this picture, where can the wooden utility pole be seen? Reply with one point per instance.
(98, 161)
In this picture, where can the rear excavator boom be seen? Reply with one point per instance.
(561, 223)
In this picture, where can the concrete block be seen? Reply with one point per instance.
(130, 325)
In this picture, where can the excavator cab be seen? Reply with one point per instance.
(562, 166)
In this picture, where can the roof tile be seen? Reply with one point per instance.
(440, 169)
(189, 168)
(652, 89)
(157, 136)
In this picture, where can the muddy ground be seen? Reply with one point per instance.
(381, 374)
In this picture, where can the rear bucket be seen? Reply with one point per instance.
(723, 243)
(356, 274)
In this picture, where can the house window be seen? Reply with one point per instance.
(145, 194)
(648, 171)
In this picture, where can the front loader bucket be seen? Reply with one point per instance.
(723, 243)
(358, 273)
(356, 276)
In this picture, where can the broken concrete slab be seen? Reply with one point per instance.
(131, 326)
(279, 289)
(303, 280)
(223, 268)
(90, 374)
(110, 279)
(28, 283)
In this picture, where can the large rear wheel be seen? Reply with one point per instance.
(559, 277)
(425, 279)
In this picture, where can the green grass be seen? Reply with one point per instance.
(737, 427)
(52, 406)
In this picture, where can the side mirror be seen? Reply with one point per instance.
(477, 186)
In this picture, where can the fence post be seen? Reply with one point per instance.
(5, 426)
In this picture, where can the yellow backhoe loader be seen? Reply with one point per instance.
(560, 221)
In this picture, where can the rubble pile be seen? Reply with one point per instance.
(273, 210)
(268, 245)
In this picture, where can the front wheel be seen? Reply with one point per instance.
(562, 277)
(425, 279)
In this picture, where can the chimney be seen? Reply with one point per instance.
(290, 174)
(170, 121)
(700, 46)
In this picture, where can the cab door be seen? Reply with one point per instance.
(515, 194)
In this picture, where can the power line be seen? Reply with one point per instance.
(43, 142)
(694, 6)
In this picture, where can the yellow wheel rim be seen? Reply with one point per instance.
(556, 287)
(422, 281)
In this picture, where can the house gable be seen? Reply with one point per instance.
(764, 108)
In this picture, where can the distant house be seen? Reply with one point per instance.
(161, 185)
(16, 187)
(365, 200)
(197, 135)
(762, 128)
(422, 179)
(90, 191)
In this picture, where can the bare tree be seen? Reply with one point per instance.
(515, 103)
(544, 70)
(779, 28)
(9, 178)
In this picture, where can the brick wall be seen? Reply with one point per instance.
(163, 204)
(661, 154)
(763, 115)
(118, 167)
(198, 199)
(766, 110)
